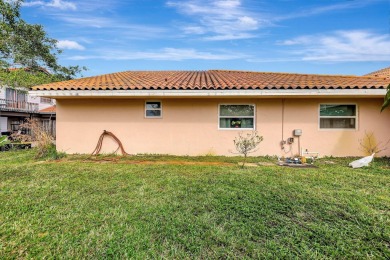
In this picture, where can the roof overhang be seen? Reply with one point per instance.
(65, 94)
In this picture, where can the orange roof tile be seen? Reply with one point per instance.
(383, 73)
(215, 80)
(51, 109)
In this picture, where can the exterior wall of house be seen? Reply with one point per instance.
(3, 120)
(3, 124)
(2, 92)
(190, 126)
(36, 100)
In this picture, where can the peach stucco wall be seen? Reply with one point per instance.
(190, 126)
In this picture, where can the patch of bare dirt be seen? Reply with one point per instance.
(248, 164)
(177, 163)
(266, 164)
(146, 162)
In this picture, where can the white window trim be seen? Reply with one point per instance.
(160, 109)
(45, 100)
(237, 129)
(338, 129)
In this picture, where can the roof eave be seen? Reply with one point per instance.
(58, 94)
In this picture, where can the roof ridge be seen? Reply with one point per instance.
(288, 73)
(228, 70)
(385, 72)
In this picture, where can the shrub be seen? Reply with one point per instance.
(369, 144)
(44, 141)
(4, 140)
(248, 143)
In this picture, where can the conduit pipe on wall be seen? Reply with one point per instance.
(284, 142)
(283, 119)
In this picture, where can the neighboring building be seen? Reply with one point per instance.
(16, 106)
(201, 112)
(47, 117)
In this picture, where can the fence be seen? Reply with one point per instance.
(18, 106)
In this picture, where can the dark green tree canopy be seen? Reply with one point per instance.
(386, 102)
(28, 46)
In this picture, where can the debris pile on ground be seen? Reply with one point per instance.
(299, 161)
(365, 161)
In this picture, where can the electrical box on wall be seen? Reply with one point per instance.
(297, 132)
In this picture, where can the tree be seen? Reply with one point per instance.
(386, 102)
(28, 46)
(25, 78)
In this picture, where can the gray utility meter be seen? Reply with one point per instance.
(297, 132)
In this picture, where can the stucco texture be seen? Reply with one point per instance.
(190, 126)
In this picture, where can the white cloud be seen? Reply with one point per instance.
(193, 30)
(231, 20)
(248, 23)
(119, 28)
(228, 3)
(60, 4)
(297, 41)
(218, 19)
(170, 54)
(34, 3)
(225, 37)
(86, 21)
(338, 46)
(318, 10)
(70, 45)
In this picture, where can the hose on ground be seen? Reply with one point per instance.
(100, 143)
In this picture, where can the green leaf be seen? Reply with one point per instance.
(386, 102)
(28, 46)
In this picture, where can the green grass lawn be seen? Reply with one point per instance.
(185, 207)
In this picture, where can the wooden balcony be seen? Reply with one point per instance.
(18, 106)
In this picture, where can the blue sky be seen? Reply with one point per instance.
(318, 36)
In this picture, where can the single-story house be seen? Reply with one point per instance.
(201, 112)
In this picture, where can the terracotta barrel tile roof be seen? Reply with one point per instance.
(215, 80)
(383, 73)
(51, 109)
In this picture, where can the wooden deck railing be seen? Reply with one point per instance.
(18, 106)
